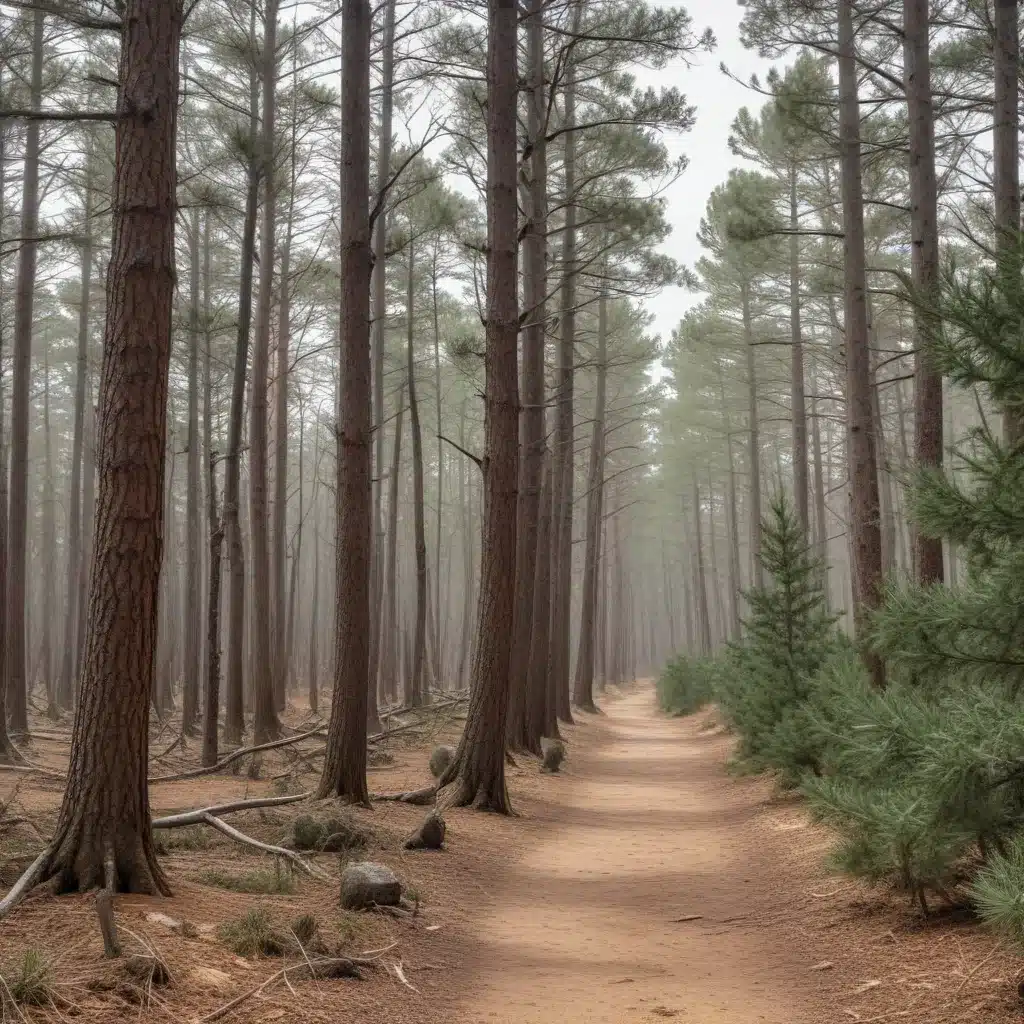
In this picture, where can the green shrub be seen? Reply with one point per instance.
(687, 684)
(254, 934)
(998, 892)
(33, 984)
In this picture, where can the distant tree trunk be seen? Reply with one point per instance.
(24, 296)
(7, 750)
(820, 517)
(797, 386)
(344, 773)
(440, 630)
(535, 286)
(468, 566)
(300, 531)
(193, 602)
(542, 703)
(234, 707)
(1006, 162)
(866, 535)
(924, 258)
(314, 622)
(699, 576)
(264, 683)
(66, 684)
(103, 835)
(88, 519)
(211, 705)
(414, 696)
(754, 450)
(389, 637)
(49, 545)
(476, 774)
(380, 305)
(583, 690)
(562, 501)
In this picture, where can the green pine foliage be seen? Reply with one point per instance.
(687, 684)
(769, 678)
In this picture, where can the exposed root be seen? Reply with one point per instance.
(419, 797)
(24, 885)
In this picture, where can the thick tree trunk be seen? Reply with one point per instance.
(414, 695)
(264, 684)
(193, 539)
(754, 447)
(380, 305)
(532, 438)
(797, 388)
(583, 690)
(924, 260)
(234, 706)
(103, 835)
(344, 773)
(866, 534)
(24, 297)
(477, 773)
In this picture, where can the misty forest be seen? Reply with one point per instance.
(401, 620)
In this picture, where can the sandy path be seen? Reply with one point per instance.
(646, 830)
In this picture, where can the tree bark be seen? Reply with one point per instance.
(380, 305)
(193, 602)
(583, 690)
(866, 534)
(24, 297)
(103, 835)
(754, 448)
(414, 696)
(49, 544)
(797, 386)
(1006, 164)
(211, 704)
(344, 772)
(389, 636)
(264, 684)
(924, 260)
(532, 438)
(542, 705)
(476, 775)
(234, 706)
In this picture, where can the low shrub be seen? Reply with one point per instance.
(254, 934)
(263, 880)
(687, 684)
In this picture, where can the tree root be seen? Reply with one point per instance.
(24, 885)
(418, 797)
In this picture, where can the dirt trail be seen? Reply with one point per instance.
(646, 830)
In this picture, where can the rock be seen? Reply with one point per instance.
(553, 752)
(430, 835)
(368, 884)
(328, 834)
(440, 759)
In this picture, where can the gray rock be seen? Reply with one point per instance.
(368, 884)
(430, 835)
(440, 759)
(553, 752)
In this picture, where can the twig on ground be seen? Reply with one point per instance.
(235, 755)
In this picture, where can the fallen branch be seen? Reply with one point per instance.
(197, 817)
(277, 851)
(23, 886)
(235, 755)
(418, 797)
(322, 967)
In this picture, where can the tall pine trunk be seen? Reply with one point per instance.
(103, 835)
(24, 298)
(476, 774)
(754, 447)
(193, 538)
(924, 260)
(797, 387)
(866, 532)
(344, 772)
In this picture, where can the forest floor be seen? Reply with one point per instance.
(642, 883)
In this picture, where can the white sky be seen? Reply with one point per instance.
(717, 98)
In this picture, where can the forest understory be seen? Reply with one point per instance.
(642, 882)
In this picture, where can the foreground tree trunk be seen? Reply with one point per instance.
(344, 773)
(476, 775)
(865, 527)
(532, 415)
(103, 835)
(24, 295)
(924, 260)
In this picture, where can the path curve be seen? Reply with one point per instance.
(587, 926)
